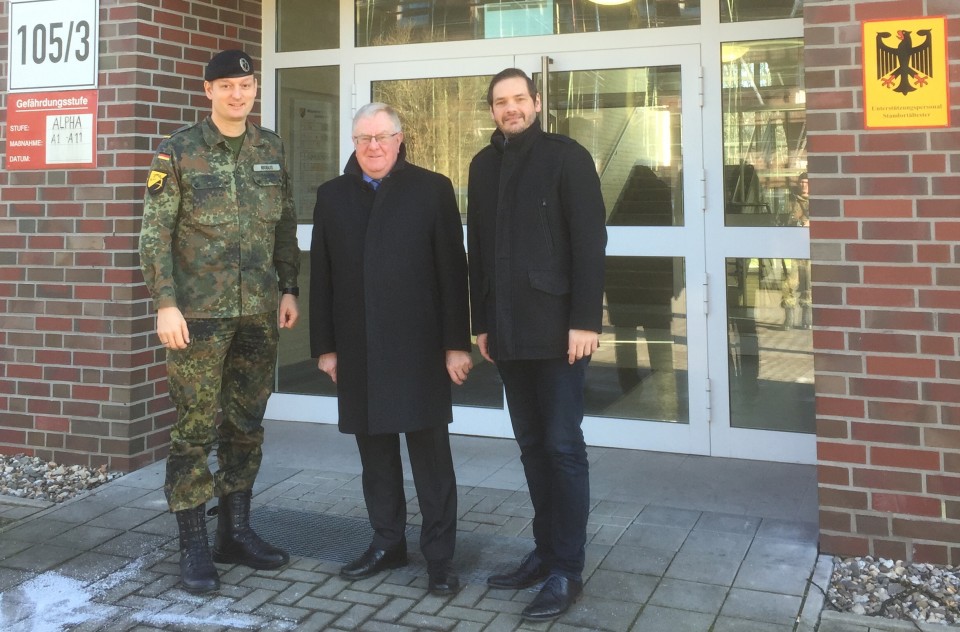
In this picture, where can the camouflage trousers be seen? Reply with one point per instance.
(228, 366)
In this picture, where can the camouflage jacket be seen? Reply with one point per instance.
(219, 234)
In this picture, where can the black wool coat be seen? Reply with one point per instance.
(388, 294)
(536, 241)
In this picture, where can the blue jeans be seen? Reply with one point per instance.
(545, 398)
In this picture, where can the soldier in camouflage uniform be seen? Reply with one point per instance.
(218, 249)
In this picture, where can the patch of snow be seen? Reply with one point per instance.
(51, 601)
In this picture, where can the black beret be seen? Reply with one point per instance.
(228, 63)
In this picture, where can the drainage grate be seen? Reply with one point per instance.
(343, 539)
(315, 535)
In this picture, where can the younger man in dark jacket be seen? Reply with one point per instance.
(536, 234)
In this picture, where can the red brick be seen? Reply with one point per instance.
(929, 163)
(903, 458)
(828, 340)
(52, 424)
(839, 407)
(905, 504)
(831, 143)
(901, 320)
(889, 185)
(829, 317)
(831, 498)
(885, 433)
(946, 438)
(827, 13)
(925, 530)
(939, 299)
(831, 428)
(874, 207)
(937, 207)
(900, 366)
(899, 141)
(938, 345)
(930, 554)
(944, 186)
(841, 452)
(835, 230)
(891, 10)
(902, 411)
(947, 231)
(872, 525)
(869, 478)
(835, 520)
(866, 163)
(833, 475)
(882, 342)
(881, 253)
(884, 388)
(847, 545)
(896, 230)
(944, 485)
(890, 549)
(934, 392)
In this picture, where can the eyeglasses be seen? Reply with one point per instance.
(365, 139)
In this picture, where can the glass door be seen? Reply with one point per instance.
(639, 117)
(760, 317)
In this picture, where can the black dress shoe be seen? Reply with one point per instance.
(555, 598)
(375, 560)
(443, 581)
(531, 571)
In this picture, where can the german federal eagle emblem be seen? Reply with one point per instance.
(906, 66)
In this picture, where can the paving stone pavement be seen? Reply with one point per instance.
(662, 553)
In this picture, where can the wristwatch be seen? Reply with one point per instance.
(291, 290)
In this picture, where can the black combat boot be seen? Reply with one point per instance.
(197, 572)
(236, 542)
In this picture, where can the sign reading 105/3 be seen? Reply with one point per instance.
(53, 44)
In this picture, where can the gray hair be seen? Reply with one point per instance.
(372, 109)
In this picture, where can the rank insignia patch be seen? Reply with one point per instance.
(156, 181)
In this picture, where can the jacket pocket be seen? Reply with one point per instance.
(545, 224)
(549, 281)
(270, 192)
(213, 202)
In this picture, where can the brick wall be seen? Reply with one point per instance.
(82, 378)
(885, 241)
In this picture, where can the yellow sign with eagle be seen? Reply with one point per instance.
(905, 81)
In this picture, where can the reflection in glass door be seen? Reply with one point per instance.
(634, 110)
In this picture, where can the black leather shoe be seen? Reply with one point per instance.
(531, 571)
(443, 581)
(555, 598)
(375, 560)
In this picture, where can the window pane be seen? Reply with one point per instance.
(640, 369)
(629, 121)
(383, 22)
(308, 120)
(770, 344)
(308, 24)
(747, 10)
(446, 121)
(764, 131)
(297, 372)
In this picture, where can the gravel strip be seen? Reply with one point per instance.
(923, 593)
(31, 477)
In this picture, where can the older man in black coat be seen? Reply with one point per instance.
(389, 323)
